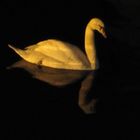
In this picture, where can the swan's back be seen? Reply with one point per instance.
(62, 51)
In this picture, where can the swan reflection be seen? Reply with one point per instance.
(63, 77)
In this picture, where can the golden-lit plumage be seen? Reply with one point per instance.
(62, 55)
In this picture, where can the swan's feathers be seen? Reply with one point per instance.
(61, 51)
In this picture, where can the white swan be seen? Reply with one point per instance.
(62, 55)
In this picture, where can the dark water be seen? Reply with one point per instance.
(37, 108)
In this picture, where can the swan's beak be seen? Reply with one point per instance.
(104, 34)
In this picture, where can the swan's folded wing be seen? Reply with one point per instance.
(32, 47)
(62, 51)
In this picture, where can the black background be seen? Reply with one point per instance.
(35, 110)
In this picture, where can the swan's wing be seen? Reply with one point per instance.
(31, 47)
(46, 49)
(62, 51)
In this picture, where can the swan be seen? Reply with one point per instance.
(62, 55)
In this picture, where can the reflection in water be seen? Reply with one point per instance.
(86, 105)
(63, 77)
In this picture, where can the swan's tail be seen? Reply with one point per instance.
(20, 52)
(13, 48)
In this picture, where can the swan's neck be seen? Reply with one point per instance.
(90, 46)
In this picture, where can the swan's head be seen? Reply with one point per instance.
(97, 24)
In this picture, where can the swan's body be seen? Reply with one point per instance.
(62, 55)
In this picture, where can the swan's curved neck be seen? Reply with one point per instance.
(90, 46)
